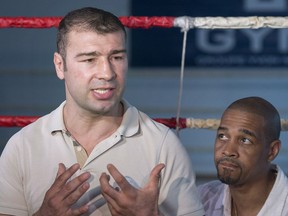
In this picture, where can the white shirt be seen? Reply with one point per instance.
(29, 163)
(216, 198)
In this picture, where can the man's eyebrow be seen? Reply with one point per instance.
(118, 51)
(95, 53)
(245, 131)
(222, 128)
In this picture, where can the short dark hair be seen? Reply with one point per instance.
(86, 19)
(263, 108)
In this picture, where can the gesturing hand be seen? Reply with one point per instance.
(128, 200)
(63, 194)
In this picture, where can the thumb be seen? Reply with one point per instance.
(61, 169)
(155, 175)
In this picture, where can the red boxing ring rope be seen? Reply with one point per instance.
(211, 124)
(49, 22)
(16, 121)
(21, 121)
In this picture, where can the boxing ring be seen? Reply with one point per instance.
(185, 23)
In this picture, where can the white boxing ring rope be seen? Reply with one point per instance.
(185, 23)
(253, 22)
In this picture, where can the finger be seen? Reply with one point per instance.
(113, 210)
(110, 201)
(69, 191)
(155, 175)
(119, 178)
(63, 174)
(106, 188)
(61, 169)
(75, 188)
(104, 181)
(74, 193)
(108, 192)
(61, 178)
(79, 211)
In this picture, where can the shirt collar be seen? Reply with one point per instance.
(56, 123)
(130, 122)
(226, 201)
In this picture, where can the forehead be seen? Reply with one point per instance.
(239, 119)
(75, 37)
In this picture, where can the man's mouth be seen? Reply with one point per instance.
(228, 165)
(101, 91)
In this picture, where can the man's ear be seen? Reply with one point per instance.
(59, 65)
(274, 149)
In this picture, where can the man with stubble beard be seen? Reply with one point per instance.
(247, 142)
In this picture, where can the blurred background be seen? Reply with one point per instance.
(220, 65)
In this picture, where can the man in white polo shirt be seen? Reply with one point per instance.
(53, 166)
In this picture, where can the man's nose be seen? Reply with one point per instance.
(231, 149)
(105, 70)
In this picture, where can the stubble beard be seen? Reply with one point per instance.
(225, 175)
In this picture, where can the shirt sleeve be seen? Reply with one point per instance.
(178, 192)
(12, 200)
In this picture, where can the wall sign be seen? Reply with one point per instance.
(263, 47)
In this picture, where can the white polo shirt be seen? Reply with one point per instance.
(216, 198)
(29, 163)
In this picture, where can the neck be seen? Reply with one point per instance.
(249, 200)
(77, 120)
(83, 128)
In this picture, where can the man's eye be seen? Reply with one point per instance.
(117, 58)
(222, 137)
(88, 60)
(246, 141)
